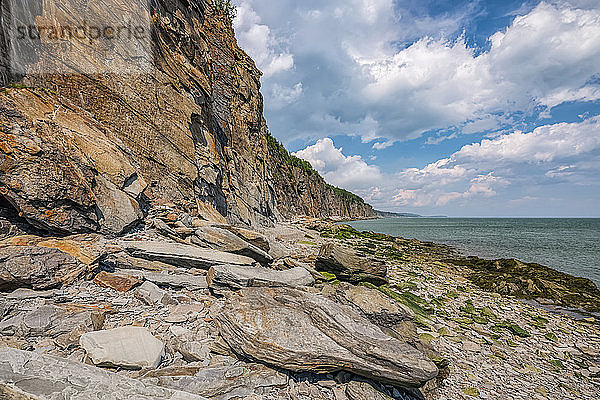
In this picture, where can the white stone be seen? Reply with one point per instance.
(127, 347)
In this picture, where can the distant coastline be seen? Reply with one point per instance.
(388, 214)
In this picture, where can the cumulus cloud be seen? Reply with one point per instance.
(350, 172)
(256, 39)
(550, 152)
(407, 74)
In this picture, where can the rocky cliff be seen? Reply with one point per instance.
(89, 152)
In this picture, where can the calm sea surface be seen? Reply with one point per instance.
(570, 245)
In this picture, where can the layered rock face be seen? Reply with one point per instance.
(87, 152)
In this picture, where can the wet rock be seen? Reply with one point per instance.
(128, 347)
(28, 375)
(299, 331)
(119, 282)
(227, 382)
(227, 277)
(38, 268)
(224, 240)
(349, 266)
(182, 255)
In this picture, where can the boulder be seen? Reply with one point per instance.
(224, 240)
(37, 268)
(249, 236)
(235, 277)
(350, 266)
(128, 347)
(300, 331)
(118, 210)
(183, 255)
(28, 375)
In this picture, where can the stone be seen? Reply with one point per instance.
(24, 294)
(224, 240)
(118, 210)
(356, 390)
(38, 268)
(349, 266)
(300, 331)
(28, 375)
(226, 382)
(182, 255)
(151, 294)
(128, 347)
(249, 236)
(377, 307)
(119, 282)
(171, 280)
(227, 277)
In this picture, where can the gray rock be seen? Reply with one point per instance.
(349, 266)
(151, 294)
(38, 268)
(24, 294)
(171, 280)
(300, 331)
(224, 240)
(28, 375)
(226, 382)
(183, 255)
(118, 210)
(377, 307)
(235, 277)
(128, 347)
(249, 236)
(364, 391)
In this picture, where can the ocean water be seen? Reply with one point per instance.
(570, 245)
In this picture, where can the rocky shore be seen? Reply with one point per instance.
(183, 308)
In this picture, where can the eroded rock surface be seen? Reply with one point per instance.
(223, 277)
(300, 331)
(349, 266)
(27, 375)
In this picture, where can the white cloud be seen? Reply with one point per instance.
(346, 55)
(480, 169)
(283, 96)
(256, 39)
(349, 172)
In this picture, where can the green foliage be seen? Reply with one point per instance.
(226, 8)
(295, 162)
(346, 195)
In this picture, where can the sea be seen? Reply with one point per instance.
(570, 245)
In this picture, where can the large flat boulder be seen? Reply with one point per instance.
(131, 347)
(224, 240)
(249, 236)
(28, 375)
(300, 331)
(183, 255)
(37, 268)
(235, 277)
(350, 266)
(170, 280)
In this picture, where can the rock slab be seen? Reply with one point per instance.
(28, 375)
(349, 266)
(128, 347)
(235, 277)
(301, 331)
(183, 255)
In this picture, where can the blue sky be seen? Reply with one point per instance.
(472, 108)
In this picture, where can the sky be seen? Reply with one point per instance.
(458, 108)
